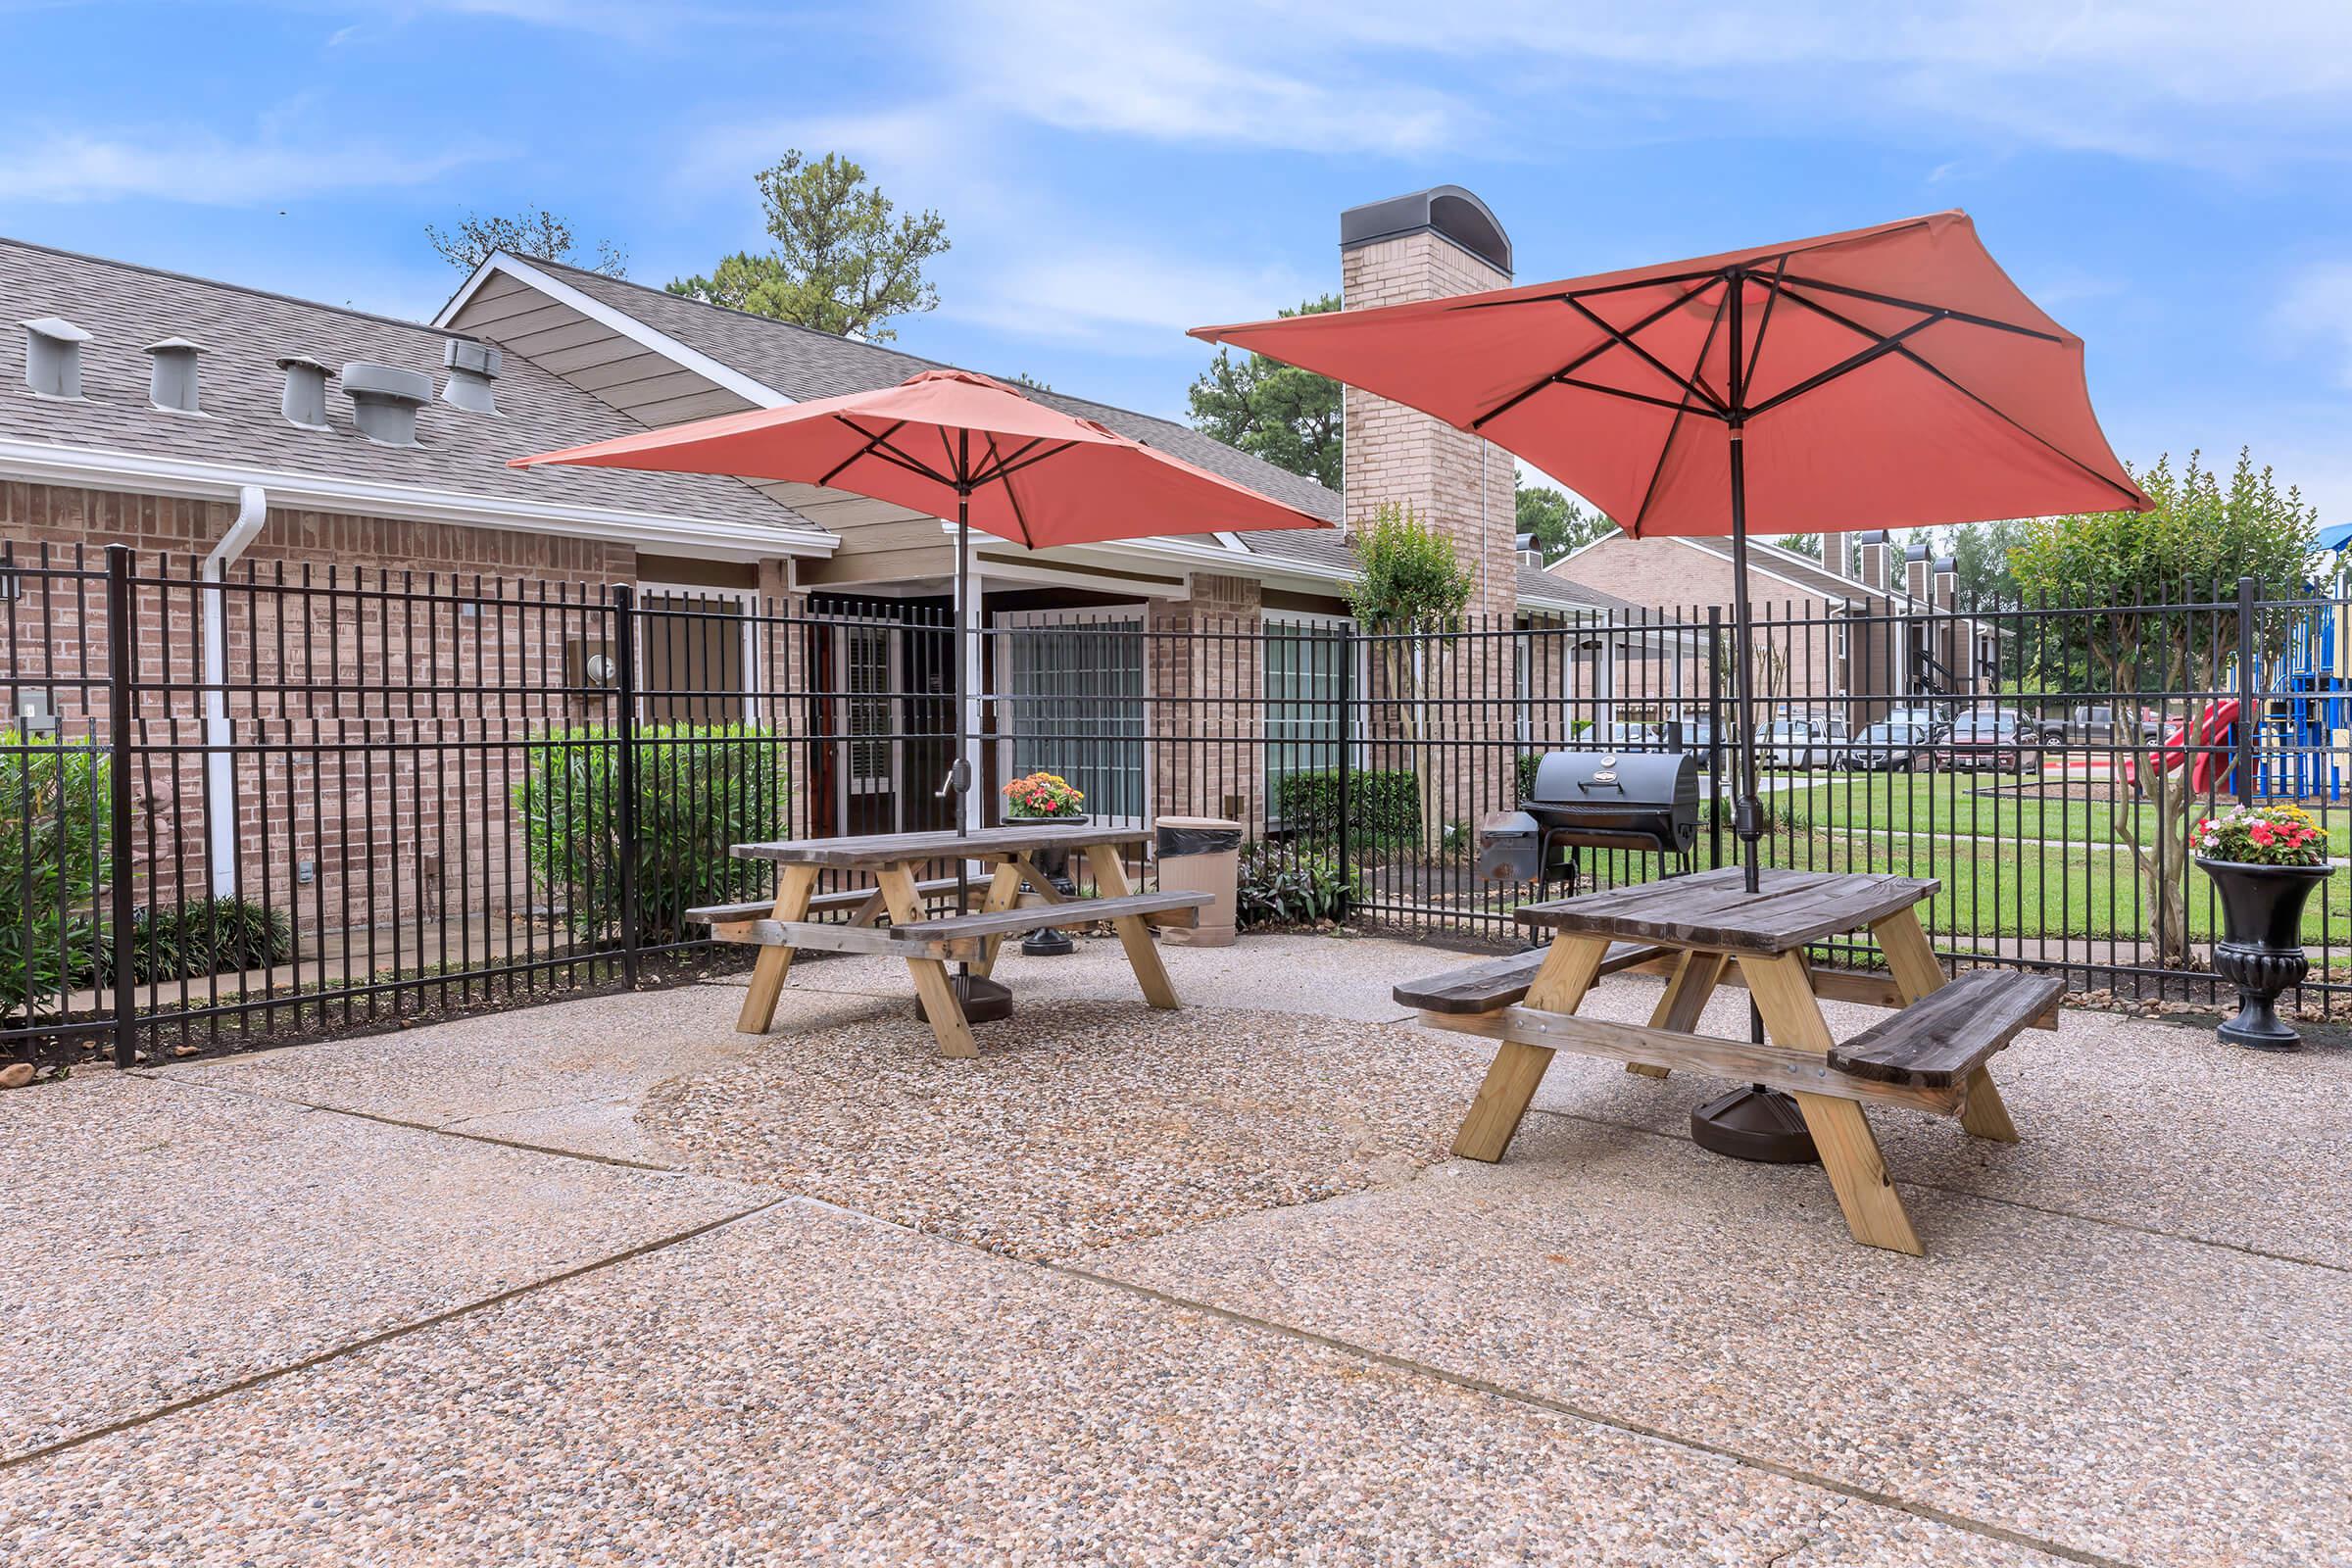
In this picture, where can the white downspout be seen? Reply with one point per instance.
(219, 765)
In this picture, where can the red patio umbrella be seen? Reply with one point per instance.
(953, 441)
(1884, 377)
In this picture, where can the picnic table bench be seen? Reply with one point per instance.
(1708, 930)
(781, 927)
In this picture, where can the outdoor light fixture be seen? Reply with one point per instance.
(34, 715)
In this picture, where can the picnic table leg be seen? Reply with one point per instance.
(1143, 954)
(793, 890)
(1685, 998)
(1004, 891)
(1567, 973)
(1849, 1153)
(1912, 960)
(931, 982)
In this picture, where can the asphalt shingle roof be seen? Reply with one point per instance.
(244, 331)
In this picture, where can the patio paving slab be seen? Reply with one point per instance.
(164, 1241)
(1081, 1123)
(807, 1386)
(2125, 1119)
(2148, 1399)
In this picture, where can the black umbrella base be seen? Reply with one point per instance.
(984, 1001)
(1754, 1123)
(1048, 943)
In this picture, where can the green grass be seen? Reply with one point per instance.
(1967, 805)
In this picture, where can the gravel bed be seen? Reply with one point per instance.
(1080, 1125)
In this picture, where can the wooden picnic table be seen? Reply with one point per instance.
(1706, 930)
(894, 861)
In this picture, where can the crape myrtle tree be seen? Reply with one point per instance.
(1411, 594)
(2129, 573)
(534, 233)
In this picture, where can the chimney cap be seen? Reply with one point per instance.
(173, 345)
(58, 329)
(1947, 564)
(1916, 553)
(1448, 210)
(1872, 536)
(289, 362)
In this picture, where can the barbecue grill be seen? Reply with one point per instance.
(1641, 800)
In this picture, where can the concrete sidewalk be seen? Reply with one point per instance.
(605, 1282)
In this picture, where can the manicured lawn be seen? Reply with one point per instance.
(1973, 805)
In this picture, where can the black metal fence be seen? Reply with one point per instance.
(300, 802)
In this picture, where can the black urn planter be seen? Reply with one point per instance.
(1052, 942)
(2261, 950)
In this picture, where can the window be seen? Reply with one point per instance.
(1071, 701)
(1304, 678)
(872, 707)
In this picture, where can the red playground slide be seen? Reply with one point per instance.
(2212, 766)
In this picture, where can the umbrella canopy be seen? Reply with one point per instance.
(1884, 377)
(1030, 474)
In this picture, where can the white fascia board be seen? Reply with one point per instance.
(757, 393)
(43, 462)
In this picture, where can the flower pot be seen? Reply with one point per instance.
(1050, 941)
(2261, 950)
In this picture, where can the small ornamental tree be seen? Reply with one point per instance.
(1411, 594)
(2133, 571)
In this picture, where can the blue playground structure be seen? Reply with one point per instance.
(2305, 726)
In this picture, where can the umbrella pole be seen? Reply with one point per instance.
(983, 1000)
(1758, 1122)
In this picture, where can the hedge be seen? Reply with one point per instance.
(1384, 806)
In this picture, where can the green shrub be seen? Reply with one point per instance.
(189, 941)
(1289, 885)
(53, 860)
(700, 789)
(1383, 807)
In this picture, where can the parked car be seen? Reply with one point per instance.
(1989, 738)
(1625, 738)
(1891, 744)
(1932, 720)
(1808, 742)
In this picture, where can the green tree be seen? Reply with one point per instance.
(534, 233)
(1803, 544)
(1558, 523)
(845, 261)
(1982, 573)
(1410, 596)
(1288, 416)
(2204, 533)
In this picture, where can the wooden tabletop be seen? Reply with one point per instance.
(1715, 910)
(866, 852)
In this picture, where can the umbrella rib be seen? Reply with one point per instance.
(1964, 317)
(1561, 375)
(871, 441)
(1879, 349)
(1657, 471)
(1689, 383)
(1990, 408)
(1772, 296)
(1002, 475)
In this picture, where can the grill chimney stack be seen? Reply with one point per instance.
(172, 375)
(53, 356)
(384, 401)
(473, 373)
(304, 398)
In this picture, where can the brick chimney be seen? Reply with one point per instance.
(1423, 245)
(1873, 549)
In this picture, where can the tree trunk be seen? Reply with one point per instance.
(2160, 854)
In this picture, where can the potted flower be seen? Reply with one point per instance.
(1048, 798)
(2265, 860)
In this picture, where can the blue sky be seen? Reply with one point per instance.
(2169, 179)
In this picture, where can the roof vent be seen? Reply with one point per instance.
(384, 401)
(53, 356)
(304, 397)
(171, 378)
(472, 368)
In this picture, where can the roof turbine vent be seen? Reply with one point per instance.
(384, 401)
(473, 372)
(171, 378)
(53, 356)
(304, 398)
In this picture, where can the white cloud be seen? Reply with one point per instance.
(201, 167)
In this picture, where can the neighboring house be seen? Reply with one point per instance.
(1885, 636)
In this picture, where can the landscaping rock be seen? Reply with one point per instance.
(15, 1075)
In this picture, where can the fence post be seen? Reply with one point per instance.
(120, 643)
(1347, 763)
(2246, 722)
(1714, 736)
(625, 771)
